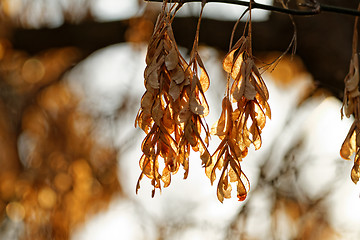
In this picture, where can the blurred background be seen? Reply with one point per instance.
(71, 80)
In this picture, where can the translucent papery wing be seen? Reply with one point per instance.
(168, 120)
(148, 144)
(222, 125)
(263, 105)
(228, 61)
(224, 187)
(167, 139)
(183, 158)
(149, 167)
(256, 137)
(147, 102)
(218, 164)
(243, 184)
(260, 86)
(260, 115)
(349, 145)
(166, 177)
(355, 171)
(195, 105)
(238, 68)
(198, 102)
(145, 166)
(157, 111)
(204, 76)
(352, 79)
(144, 121)
(238, 87)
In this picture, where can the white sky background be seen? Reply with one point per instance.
(107, 10)
(109, 74)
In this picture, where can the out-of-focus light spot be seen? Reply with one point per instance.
(81, 169)
(12, 7)
(62, 182)
(15, 211)
(33, 70)
(7, 185)
(223, 11)
(35, 122)
(57, 161)
(80, 124)
(287, 70)
(55, 98)
(106, 10)
(22, 188)
(139, 31)
(82, 176)
(4, 44)
(47, 198)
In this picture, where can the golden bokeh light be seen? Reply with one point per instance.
(15, 211)
(47, 198)
(33, 70)
(12, 7)
(63, 182)
(7, 182)
(55, 98)
(288, 70)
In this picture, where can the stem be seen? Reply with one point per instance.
(250, 26)
(312, 11)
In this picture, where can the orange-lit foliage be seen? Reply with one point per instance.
(54, 171)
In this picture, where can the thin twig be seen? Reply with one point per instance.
(313, 10)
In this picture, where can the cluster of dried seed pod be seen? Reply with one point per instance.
(172, 108)
(351, 106)
(241, 125)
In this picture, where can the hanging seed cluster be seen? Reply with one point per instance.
(351, 106)
(174, 106)
(244, 105)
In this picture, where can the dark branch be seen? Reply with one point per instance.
(325, 52)
(314, 9)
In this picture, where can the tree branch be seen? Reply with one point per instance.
(325, 52)
(314, 9)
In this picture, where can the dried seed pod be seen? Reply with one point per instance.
(172, 107)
